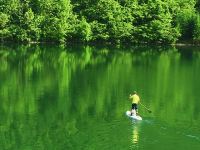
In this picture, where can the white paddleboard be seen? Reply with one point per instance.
(136, 117)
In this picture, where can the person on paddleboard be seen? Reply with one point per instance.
(135, 100)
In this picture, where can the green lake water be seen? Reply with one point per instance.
(75, 98)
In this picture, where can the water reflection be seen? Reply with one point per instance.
(60, 89)
(135, 138)
(135, 134)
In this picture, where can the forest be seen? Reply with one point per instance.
(90, 21)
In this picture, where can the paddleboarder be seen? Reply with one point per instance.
(135, 100)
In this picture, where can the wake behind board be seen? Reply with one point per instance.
(135, 117)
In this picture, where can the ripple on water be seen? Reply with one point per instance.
(193, 137)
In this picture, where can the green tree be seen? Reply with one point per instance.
(4, 19)
(139, 21)
(153, 21)
(108, 19)
(196, 33)
(83, 30)
(185, 17)
(56, 19)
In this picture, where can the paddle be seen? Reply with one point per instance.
(146, 108)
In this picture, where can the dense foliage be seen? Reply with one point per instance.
(137, 21)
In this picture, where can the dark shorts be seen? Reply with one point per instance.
(134, 106)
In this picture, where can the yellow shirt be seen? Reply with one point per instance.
(135, 98)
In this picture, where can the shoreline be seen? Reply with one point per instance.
(192, 43)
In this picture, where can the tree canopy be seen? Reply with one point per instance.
(119, 21)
